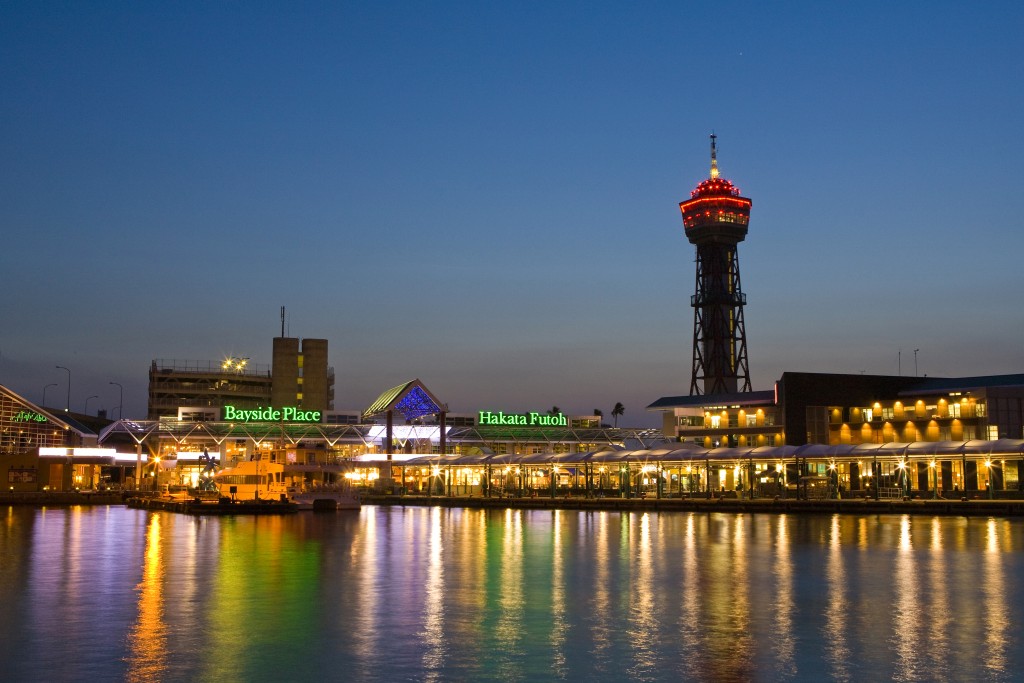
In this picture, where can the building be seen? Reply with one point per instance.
(43, 450)
(300, 375)
(373, 445)
(198, 390)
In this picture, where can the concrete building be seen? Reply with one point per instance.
(198, 390)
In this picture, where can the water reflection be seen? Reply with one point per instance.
(995, 602)
(147, 642)
(642, 631)
(445, 594)
(907, 640)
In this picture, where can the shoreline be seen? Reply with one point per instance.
(852, 506)
(977, 507)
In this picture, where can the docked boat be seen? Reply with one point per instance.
(264, 480)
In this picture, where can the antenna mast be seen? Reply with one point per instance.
(282, 321)
(714, 158)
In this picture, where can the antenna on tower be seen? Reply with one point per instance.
(282, 321)
(714, 158)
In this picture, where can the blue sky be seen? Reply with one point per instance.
(484, 196)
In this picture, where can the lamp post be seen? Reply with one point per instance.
(44, 392)
(120, 400)
(67, 407)
(87, 402)
(935, 480)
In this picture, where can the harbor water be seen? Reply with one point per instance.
(392, 593)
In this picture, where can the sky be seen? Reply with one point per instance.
(485, 196)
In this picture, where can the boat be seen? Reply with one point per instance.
(264, 480)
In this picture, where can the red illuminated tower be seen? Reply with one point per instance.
(715, 220)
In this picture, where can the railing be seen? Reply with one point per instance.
(889, 493)
(206, 367)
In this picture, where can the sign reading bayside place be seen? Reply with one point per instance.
(521, 419)
(260, 414)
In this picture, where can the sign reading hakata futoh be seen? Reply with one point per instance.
(488, 417)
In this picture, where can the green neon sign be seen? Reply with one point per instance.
(261, 414)
(488, 417)
(29, 416)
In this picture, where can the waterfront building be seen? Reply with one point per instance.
(403, 423)
(46, 450)
(197, 390)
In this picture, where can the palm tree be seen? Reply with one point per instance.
(619, 409)
(555, 410)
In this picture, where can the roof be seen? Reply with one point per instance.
(411, 399)
(680, 453)
(706, 400)
(59, 418)
(932, 385)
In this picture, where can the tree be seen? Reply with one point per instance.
(598, 412)
(555, 410)
(619, 409)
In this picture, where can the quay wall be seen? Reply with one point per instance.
(858, 506)
(969, 508)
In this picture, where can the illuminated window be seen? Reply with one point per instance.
(716, 421)
(993, 432)
(954, 409)
(868, 414)
(751, 420)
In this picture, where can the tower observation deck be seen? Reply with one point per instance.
(715, 220)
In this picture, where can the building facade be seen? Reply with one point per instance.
(198, 390)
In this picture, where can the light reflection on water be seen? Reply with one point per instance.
(435, 594)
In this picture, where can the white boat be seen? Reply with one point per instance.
(264, 480)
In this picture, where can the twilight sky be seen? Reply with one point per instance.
(485, 196)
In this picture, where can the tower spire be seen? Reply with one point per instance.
(714, 158)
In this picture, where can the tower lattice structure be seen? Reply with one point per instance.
(715, 220)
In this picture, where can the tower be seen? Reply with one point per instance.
(715, 221)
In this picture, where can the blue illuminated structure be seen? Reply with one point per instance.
(412, 400)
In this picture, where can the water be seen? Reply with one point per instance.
(432, 594)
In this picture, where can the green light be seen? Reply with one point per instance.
(488, 417)
(29, 416)
(261, 414)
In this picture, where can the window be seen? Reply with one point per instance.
(993, 432)
(751, 420)
(716, 421)
(954, 409)
(888, 413)
(868, 413)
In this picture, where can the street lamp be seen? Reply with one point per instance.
(44, 392)
(87, 402)
(120, 401)
(67, 408)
